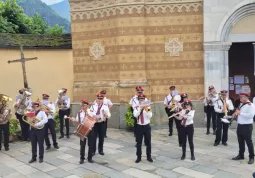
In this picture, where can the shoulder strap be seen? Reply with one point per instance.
(79, 117)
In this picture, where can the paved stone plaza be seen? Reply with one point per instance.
(119, 159)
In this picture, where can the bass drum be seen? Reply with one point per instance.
(85, 127)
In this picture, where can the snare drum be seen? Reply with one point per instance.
(85, 127)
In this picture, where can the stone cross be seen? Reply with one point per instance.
(23, 60)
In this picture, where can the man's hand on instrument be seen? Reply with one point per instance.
(237, 112)
(227, 105)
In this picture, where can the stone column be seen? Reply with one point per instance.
(216, 69)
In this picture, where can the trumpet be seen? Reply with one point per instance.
(182, 113)
(31, 121)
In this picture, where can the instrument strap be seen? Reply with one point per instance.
(79, 117)
(242, 105)
(37, 112)
(99, 108)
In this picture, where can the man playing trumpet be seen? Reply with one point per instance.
(244, 115)
(100, 111)
(222, 107)
(5, 115)
(143, 115)
(82, 115)
(37, 131)
(50, 125)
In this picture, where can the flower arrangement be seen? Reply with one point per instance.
(129, 120)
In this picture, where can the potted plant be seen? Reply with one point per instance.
(129, 120)
(14, 128)
(57, 122)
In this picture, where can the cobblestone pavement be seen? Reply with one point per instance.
(119, 159)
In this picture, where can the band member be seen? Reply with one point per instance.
(222, 107)
(50, 125)
(19, 96)
(177, 108)
(169, 103)
(100, 111)
(187, 129)
(63, 103)
(184, 96)
(23, 104)
(107, 102)
(81, 117)
(37, 133)
(209, 102)
(5, 115)
(244, 115)
(143, 114)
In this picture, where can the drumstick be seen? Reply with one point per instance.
(71, 118)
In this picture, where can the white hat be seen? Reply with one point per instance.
(177, 98)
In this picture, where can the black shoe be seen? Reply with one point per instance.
(214, 132)
(6, 148)
(183, 157)
(47, 148)
(67, 136)
(61, 137)
(56, 147)
(93, 154)
(105, 136)
(208, 132)
(238, 158)
(138, 160)
(225, 144)
(193, 158)
(251, 161)
(90, 161)
(216, 144)
(150, 159)
(32, 160)
(170, 134)
(81, 161)
(101, 153)
(0, 148)
(180, 145)
(40, 160)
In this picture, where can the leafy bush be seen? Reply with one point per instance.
(57, 121)
(129, 119)
(14, 127)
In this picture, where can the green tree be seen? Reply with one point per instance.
(13, 20)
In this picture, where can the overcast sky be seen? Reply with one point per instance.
(49, 2)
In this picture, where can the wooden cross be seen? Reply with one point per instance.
(23, 60)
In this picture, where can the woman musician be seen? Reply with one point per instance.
(36, 134)
(222, 107)
(82, 115)
(5, 115)
(186, 116)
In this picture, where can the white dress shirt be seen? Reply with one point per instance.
(190, 117)
(106, 101)
(104, 110)
(52, 107)
(28, 104)
(213, 100)
(146, 115)
(19, 96)
(67, 101)
(43, 117)
(218, 106)
(168, 99)
(247, 113)
(253, 100)
(83, 116)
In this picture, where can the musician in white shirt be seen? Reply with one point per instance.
(82, 115)
(100, 111)
(219, 108)
(143, 115)
(209, 102)
(168, 101)
(64, 110)
(37, 135)
(26, 105)
(245, 114)
(186, 127)
(107, 102)
(50, 125)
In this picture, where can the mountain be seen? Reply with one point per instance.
(31, 7)
(62, 8)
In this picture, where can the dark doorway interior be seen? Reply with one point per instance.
(241, 62)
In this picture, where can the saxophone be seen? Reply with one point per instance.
(61, 102)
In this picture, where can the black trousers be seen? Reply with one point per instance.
(187, 132)
(91, 140)
(135, 120)
(221, 126)
(51, 126)
(244, 134)
(211, 115)
(37, 137)
(106, 121)
(99, 130)
(24, 126)
(178, 127)
(4, 128)
(170, 121)
(63, 113)
(143, 131)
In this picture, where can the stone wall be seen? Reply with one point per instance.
(119, 44)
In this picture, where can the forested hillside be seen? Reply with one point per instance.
(62, 8)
